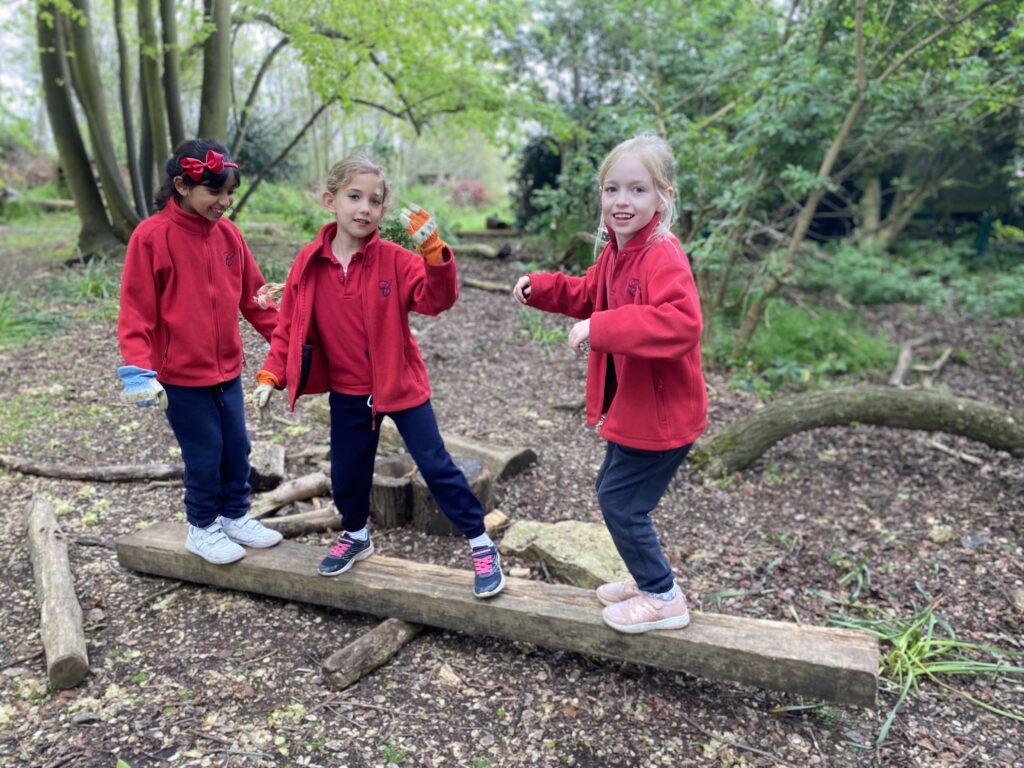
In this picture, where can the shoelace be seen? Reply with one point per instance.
(341, 546)
(483, 563)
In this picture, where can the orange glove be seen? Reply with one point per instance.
(423, 230)
(261, 396)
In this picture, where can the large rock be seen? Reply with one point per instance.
(574, 552)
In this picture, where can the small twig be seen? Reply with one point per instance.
(283, 420)
(160, 484)
(159, 593)
(518, 716)
(95, 541)
(955, 454)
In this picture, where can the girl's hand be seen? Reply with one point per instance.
(522, 289)
(579, 337)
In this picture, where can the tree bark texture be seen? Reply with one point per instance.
(95, 235)
(215, 99)
(114, 473)
(305, 487)
(742, 442)
(172, 74)
(149, 53)
(139, 192)
(60, 615)
(367, 652)
(90, 96)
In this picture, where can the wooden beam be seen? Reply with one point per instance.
(823, 663)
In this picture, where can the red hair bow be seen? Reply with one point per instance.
(194, 167)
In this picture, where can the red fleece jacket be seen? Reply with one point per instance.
(395, 281)
(185, 279)
(645, 315)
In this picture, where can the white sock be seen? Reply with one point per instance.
(483, 540)
(666, 595)
(361, 535)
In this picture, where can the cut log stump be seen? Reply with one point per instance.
(428, 518)
(823, 663)
(60, 615)
(371, 650)
(391, 493)
(266, 465)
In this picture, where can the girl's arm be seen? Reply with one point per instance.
(667, 324)
(137, 316)
(263, 319)
(558, 292)
(430, 289)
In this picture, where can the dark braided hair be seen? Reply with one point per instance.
(197, 149)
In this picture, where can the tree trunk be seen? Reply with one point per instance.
(215, 99)
(172, 75)
(90, 96)
(95, 235)
(742, 442)
(60, 614)
(152, 88)
(139, 193)
(871, 207)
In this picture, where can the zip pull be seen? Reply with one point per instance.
(373, 412)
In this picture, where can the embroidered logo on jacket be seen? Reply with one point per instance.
(385, 287)
(229, 258)
(633, 286)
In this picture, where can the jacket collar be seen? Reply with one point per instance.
(330, 229)
(638, 241)
(190, 222)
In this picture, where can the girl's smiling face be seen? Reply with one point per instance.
(358, 206)
(207, 202)
(629, 198)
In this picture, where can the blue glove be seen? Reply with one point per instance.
(141, 387)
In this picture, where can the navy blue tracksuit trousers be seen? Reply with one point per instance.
(209, 423)
(354, 437)
(629, 486)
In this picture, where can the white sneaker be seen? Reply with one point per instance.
(212, 545)
(250, 532)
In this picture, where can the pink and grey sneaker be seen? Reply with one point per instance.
(644, 613)
(617, 591)
(488, 580)
(345, 553)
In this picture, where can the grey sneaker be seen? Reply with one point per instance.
(249, 532)
(617, 592)
(212, 545)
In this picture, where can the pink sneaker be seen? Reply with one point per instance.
(617, 591)
(644, 613)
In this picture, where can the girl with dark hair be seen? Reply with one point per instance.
(187, 274)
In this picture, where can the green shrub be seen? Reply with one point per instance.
(861, 274)
(798, 347)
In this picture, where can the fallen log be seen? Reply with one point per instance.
(503, 463)
(115, 473)
(836, 664)
(486, 285)
(60, 614)
(314, 521)
(299, 489)
(369, 651)
(741, 443)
